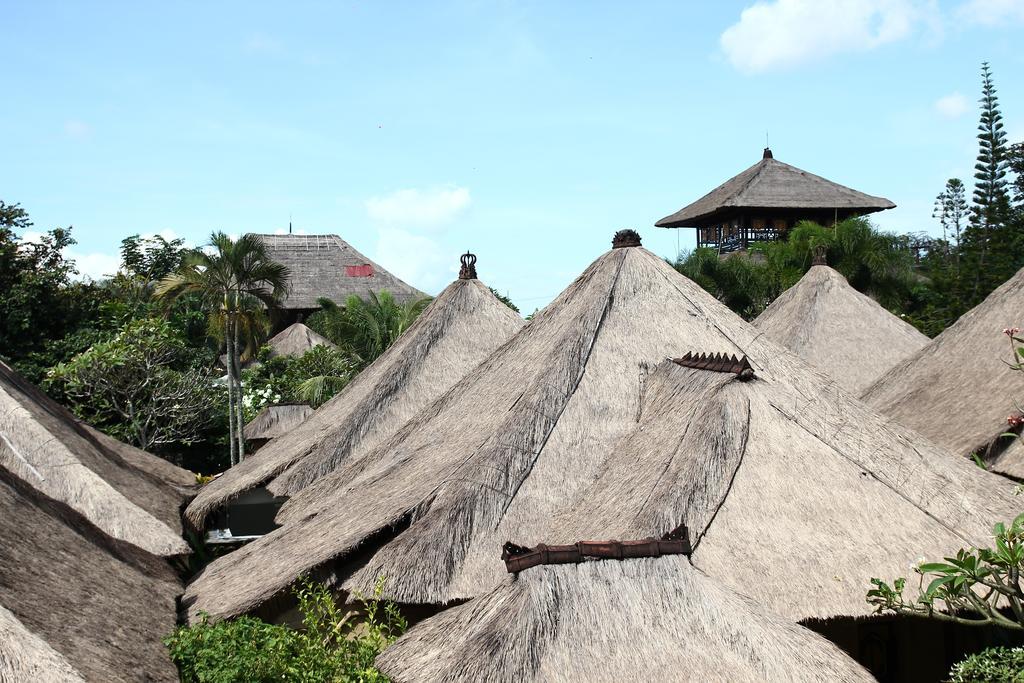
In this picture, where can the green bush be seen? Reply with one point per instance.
(995, 665)
(332, 646)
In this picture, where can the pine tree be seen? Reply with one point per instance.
(951, 210)
(991, 199)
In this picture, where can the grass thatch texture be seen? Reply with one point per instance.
(296, 340)
(838, 330)
(644, 619)
(459, 328)
(101, 603)
(959, 390)
(277, 420)
(120, 489)
(522, 439)
(24, 656)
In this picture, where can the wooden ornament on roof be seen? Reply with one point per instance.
(468, 269)
(717, 362)
(626, 238)
(517, 557)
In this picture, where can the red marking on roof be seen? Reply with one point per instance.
(365, 270)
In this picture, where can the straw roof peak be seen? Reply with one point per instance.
(457, 330)
(518, 444)
(839, 330)
(959, 389)
(128, 493)
(296, 340)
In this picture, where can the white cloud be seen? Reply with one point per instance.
(418, 208)
(991, 12)
(776, 34)
(952, 106)
(95, 265)
(77, 130)
(417, 259)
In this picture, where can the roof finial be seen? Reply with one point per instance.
(767, 153)
(289, 224)
(468, 270)
(626, 238)
(820, 255)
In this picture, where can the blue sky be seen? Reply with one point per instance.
(526, 132)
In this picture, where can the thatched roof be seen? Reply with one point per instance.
(27, 657)
(100, 605)
(520, 439)
(277, 420)
(296, 340)
(326, 266)
(959, 389)
(459, 328)
(642, 619)
(129, 494)
(840, 331)
(771, 184)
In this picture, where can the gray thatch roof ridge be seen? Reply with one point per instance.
(296, 340)
(641, 619)
(101, 603)
(839, 330)
(772, 184)
(456, 331)
(959, 389)
(126, 492)
(519, 440)
(25, 656)
(326, 266)
(277, 420)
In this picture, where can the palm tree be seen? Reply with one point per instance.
(237, 281)
(365, 328)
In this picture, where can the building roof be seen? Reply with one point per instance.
(326, 266)
(296, 340)
(515, 444)
(456, 331)
(128, 493)
(640, 619)
(80, 604)
(960, 388)
(277, 420)
(839, 330)
(771, 184)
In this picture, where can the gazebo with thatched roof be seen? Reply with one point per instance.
(764, 201)
(519, 442)
(456, 331)
(273, 421)
(128, 493)
(76, 604)
(326, 266)
(960, 389)
(839, 330)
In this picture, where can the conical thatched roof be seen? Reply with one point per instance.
(296, 340)
(642, 619)
(838, 330)
(277, 420)
(326, 266)
(459, 328)
(129, 494)
(77, 601)
(519, 441)
(771, 184)
(959, 389)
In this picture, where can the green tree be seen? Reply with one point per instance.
(141, 386)
(365, 328)
(231, 280)
(503, 299)
(951, 212)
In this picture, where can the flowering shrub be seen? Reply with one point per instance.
(995, 665)
(333, 645)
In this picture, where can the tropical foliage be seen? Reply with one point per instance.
(333, 645)
(365, 328)
(313, 378)
(995, 665)
(142, 386)
(237, 281)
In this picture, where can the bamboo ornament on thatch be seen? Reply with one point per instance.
(517, 557)
(454, 333)
(583, 394)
